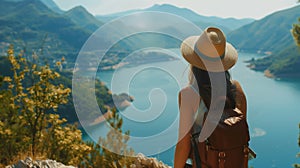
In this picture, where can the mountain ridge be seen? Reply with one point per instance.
(52, 5)
(271, 34)
(259, 36)
(82, 17)
(200, 20)
(32, 25)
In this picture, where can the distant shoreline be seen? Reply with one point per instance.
(145, 57)
(120, 104)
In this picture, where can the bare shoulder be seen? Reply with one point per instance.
(188, 97)
(188, 90)
(188, 93)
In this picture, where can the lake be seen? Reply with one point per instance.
(273, 109)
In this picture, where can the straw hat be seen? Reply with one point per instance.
(209, 51)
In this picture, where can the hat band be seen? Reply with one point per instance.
(200, 54)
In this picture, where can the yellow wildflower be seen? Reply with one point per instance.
(7, 79)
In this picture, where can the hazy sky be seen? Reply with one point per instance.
(222, 8)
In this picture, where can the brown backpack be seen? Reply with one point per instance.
(227, 146)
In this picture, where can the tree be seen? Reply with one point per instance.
(35, 101)
(296, 32)
(11, 134)
(111, 151)
(29, 97)
(296, 35)
(30, 127)
(114, 148)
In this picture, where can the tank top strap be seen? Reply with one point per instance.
(199, 114)
(194, 88)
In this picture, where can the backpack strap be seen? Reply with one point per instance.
(247, 151)
(199, 117)
(194, 142)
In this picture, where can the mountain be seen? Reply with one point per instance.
(227, 24)
(52, 5)
(155, 22)
(49, 3)
(34, 28)
(271, 33)
(82, 17)
(30, 24)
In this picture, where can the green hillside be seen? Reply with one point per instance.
(289, 65)
(52, 5)
(34, 27)
(284, 64)
(83, 18)
(271, 33)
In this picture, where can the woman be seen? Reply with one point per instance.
(210, 58)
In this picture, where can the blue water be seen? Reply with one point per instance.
(273, 109)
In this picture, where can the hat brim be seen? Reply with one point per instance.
(219, 65)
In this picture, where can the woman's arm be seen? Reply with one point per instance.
(182, 151)
(185, 123)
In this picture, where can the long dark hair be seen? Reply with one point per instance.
(204, 85)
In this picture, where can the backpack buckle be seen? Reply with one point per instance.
(222, 160)
(222, 155)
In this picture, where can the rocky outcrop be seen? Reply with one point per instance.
(29, 163)
(142, 161)
(122, 101)
(269, 74)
